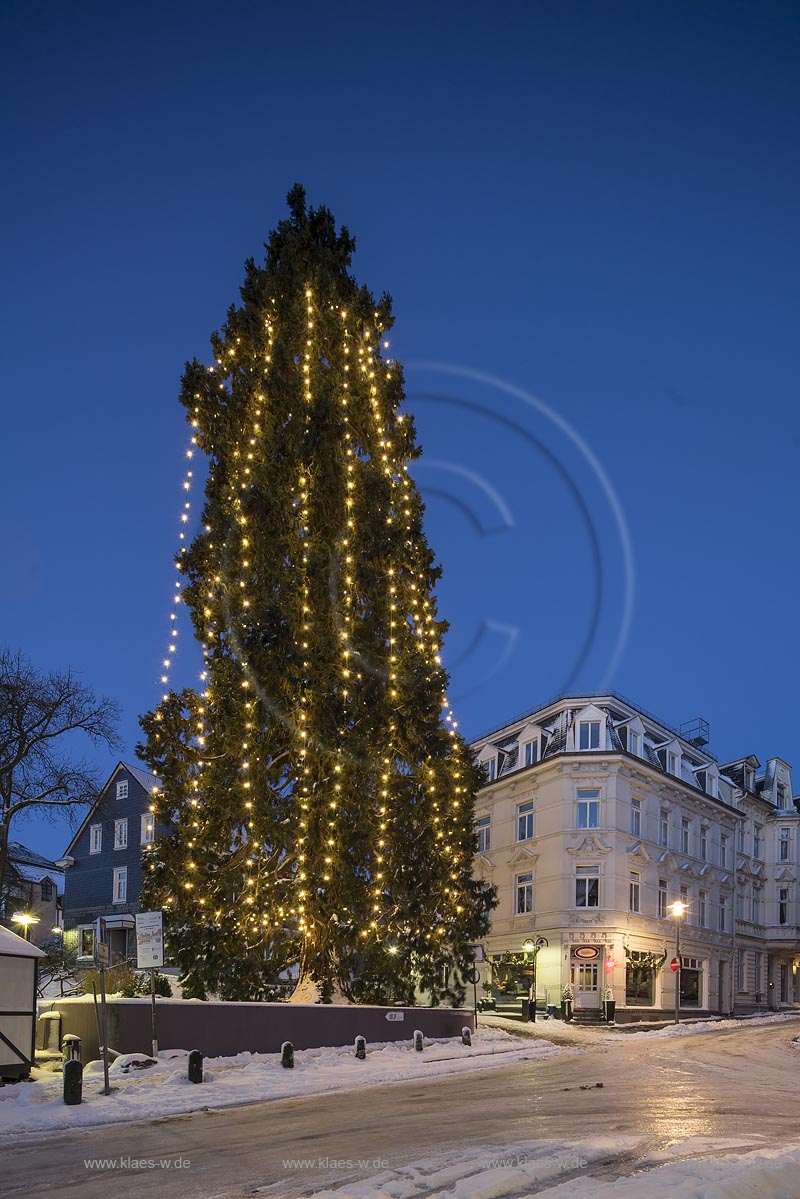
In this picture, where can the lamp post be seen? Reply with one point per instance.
(531, 946)
(26, 920)
(678, 909)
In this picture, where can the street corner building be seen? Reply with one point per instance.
(103, 865)
(595, 820)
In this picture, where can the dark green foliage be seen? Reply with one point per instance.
(139, 984)
(322, 808)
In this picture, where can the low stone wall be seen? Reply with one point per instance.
(224, 1029)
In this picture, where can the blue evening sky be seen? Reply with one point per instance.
(587, 216)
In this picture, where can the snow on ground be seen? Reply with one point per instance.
(559, 1031)
(164, 1090)
(574, 1171)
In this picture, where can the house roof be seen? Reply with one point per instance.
(18, 947)
(20, 855)
(35, 874)
(148, 781)
(143, 777)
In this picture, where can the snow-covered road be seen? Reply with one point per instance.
(526, 1128)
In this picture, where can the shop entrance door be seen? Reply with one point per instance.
(586, 984)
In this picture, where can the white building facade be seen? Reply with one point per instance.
(595, 819)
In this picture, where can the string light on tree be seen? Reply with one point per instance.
(322, 812)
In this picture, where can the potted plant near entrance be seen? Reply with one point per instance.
(566, 1002)
(610, 1004)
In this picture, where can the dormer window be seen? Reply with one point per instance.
(782, 795)
(530, 752)
(672, 762)
(634, 744)
(589, 734)
(490, 766)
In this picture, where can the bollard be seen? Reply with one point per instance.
(418, 1041)
(195, 1066)
(72, 1048)
(361, 1048)
(72, 1072)
(287, 1055)
(466, 1036)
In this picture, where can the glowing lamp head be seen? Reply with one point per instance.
(678, 908)
(528, 946)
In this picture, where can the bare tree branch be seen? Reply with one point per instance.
(41, 717)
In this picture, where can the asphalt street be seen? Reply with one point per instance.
(740, 1084)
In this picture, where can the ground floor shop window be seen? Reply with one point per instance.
(640, 977)
(691, 971)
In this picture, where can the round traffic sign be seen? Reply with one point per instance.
(474, 976)
(674, 965)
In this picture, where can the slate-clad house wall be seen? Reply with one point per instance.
(104, 863)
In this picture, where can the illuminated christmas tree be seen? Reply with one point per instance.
(320, 797)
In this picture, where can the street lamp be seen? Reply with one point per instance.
(678, 909)
(26, 920)
(531, 946)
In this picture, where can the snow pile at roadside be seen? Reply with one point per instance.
(163, 1089)
(574, 1171)
(706, 1026)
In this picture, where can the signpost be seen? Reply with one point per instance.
(102, 955)
(149, 956)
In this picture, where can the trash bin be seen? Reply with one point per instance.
(526, 1010)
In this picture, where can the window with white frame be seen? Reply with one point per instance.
(587, 886)
(782, 795)
(712, 787)
(589, 734)
(587, 808)
(484, 827)
(740, 983)
(635, 891)
(525, 821)
(148, 828)
(723, 913)
(95, 838)
(703, 842)
(663, 827)
(783, 905)
(739, 905)
(757, 975)
(723, 849)
(702, 917)
(121, 834)
(783, 845)
(741, 837)
(120, 884)
(633, 743)
(636, 818)
(490, 766)
(523, 894)
(758, 833)
(530, 752)
(672, 762)
(662, 898)
(122, 789)
(684, 834)
(684, 897)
